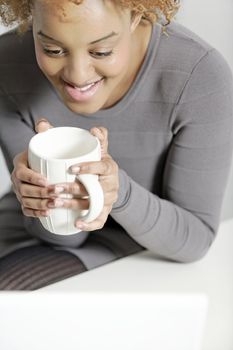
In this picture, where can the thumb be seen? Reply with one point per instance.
(42, 125)
(102, 134)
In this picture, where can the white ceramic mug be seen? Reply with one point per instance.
(51, 153)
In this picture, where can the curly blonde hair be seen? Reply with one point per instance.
(19, 12)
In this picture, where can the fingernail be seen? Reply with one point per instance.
(42, 120)
(58, 203)
(42, 182)
(58, 189)
(75, 169)
(50, 205)
(81, 225)
(46, 213)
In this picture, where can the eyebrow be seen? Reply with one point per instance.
(40, 33)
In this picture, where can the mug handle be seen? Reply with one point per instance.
(96, 196)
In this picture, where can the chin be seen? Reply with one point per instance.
(79, 108)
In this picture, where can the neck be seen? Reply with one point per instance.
(140, 41)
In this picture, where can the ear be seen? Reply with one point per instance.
(135, 20)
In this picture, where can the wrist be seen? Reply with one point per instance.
(123, 192)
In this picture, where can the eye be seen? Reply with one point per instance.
(59, 53)
(56, 53)
(101, 54)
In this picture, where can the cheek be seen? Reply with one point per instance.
(118, 64)
(48, 67)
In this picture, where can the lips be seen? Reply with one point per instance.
(84, 93)
(84, 86)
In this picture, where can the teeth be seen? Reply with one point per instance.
(85, 88)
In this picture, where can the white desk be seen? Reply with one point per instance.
(213, 275)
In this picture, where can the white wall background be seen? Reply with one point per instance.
(212, 20)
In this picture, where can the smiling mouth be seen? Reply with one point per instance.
(84, 88)
(83, 94)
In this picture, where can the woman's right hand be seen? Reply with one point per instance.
(30, 187)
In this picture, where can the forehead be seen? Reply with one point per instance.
(79, 24)
(77, 10)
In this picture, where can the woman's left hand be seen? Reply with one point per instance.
(107, 170)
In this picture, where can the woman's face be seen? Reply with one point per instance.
(85, 52)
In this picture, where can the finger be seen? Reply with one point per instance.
(110, 196)
(104, 167)
(17, 194)
(102, 134)
(75, 203)
(42, 125)
(20, 162)
(35, 204)
(23, 173)
(21, 159)
(35, 213)
(74, 188)
(15, 183)
(96, 224)
(26, 190)
(29, 176)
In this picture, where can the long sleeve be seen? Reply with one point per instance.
(178, 112)
(16, 130)
(182, 223)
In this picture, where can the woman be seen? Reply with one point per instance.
(160, 101)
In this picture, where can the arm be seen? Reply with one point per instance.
(183, 223)
(16, 130)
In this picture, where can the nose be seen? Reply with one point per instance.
(79, 70)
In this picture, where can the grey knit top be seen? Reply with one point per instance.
(171, 135)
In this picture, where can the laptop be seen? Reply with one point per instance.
(101, 321)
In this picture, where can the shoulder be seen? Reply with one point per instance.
(181, 49)
(208, 71)
(187, 62)
(16, 49)
(201, 78)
